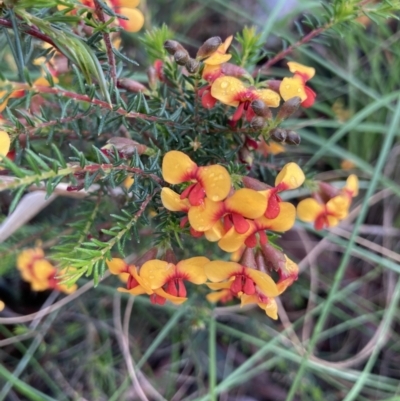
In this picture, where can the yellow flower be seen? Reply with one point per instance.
(5, 143)
(211, 181)
(268, 304)
(166, 280)
(2, 305)
(296, 85)
(233, 92)
(290, 177)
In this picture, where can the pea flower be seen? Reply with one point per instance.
(268, 304)
(166, 280)
(242, 205)
(5, 143)
(232, 241)
(240, 279)
(329, 214)
(211, 181)
(233, 92)
(290, 177)
(135, 285)
(39, 272)
(296, 86)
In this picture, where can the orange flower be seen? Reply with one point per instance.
(329, 214)
(5, 144)
(135, 285)
(242, 205)
(290, 177)
(233, 92)
(39, 272)
(268, 304)
(296, 85)
(241, 279)
(232, 241)
(4, 95)
(167, 280)
(211, 181)
(288, 273)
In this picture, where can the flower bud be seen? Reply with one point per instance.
(131, 85)
(181, 57)
(257, 122)
(288, 108)
(260, 262)
(208, 47)
(327, 191)
(274, 258)
(172, 46)
(233, 70)
(125, 146)
(293, 138)
(261, 109)
(278, 135)
(152, 77)
(192, 66)
(255, 184)
(248, 259)
(149, 255)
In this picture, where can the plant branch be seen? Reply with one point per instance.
(107, 41)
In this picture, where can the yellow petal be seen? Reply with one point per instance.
(135, 20)
(203, 217)
(67, 289)
(217, 296)
(2, 305)
(219, 286)
(248, 299)
(246, 202)
(133, 291)
(309, 209)
(264, 282)
(178, 167)
(215, 180)
(332, 221)
(128, 182)
(292, 87)
(291, 175)
(294, 67)
(352, 185)
(5, 143)
(125, 3)
(269, 97)
(116, 266)
(216, 232)
(175, 300)
(338, 206)
(156, 272)
(270, 308)
(3, 104)
(232, 241)
(223, 48)
(26, 257)
(43, 269)
(217, 59)
(283, 222)
(193, 269)
(172, 201)
(219, 270)
(225, 89)
(38, 285)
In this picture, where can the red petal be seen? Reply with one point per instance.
(186, 191)
(251, 241)
(207, 100)
(273, 207)
(311, 95)
(240, 223)
(238, 113)
(320, 222)
(250, 114)
(249, 287)
(181, 289)
(197, 195)
(236, 286)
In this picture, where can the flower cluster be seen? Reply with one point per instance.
(40, 273)
(329, 205)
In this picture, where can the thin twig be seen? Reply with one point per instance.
(107, 41)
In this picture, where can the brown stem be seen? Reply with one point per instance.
(107, 41)
(84, 98)
(300, 42)
(31, 30)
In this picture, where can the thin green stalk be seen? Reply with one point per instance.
(212, 359)
(25, 389)
(154, 345)
(346, 257)
(387, 321)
